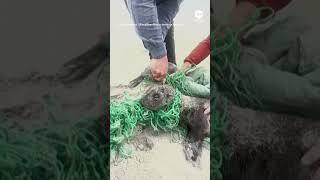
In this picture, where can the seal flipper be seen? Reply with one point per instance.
(135, 82)
(172, 68)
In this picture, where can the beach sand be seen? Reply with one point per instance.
(158, 157)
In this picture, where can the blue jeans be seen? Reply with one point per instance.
(153, 19)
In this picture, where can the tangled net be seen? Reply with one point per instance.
(59, 151)
(125, 115)
(226, 51)
(226, 74)
(227, 78)
(218, 124)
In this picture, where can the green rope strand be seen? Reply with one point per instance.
(125, 115)
(56, 152)
(226, 76)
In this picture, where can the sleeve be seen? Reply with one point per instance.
(274, 4)
(200, 52)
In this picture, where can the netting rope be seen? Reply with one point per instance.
(226, 76)
(126, 114)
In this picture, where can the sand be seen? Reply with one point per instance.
(158, 157)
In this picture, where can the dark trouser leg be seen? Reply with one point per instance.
(170, 45)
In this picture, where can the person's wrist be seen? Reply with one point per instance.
(164, 57)
(186, 65)
(159, 52)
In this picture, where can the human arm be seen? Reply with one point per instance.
(199, 53)
(153, 21)
(145, 17)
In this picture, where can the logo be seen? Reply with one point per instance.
(198, 14)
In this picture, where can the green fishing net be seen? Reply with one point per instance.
(218, 124)
(226, 73)
(226, 51)
(128, 113)
(228, 81)
(73, 149)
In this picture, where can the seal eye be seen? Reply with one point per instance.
(162, 90)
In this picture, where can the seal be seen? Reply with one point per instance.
(157, 97)
(198, 128)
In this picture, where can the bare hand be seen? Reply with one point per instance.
(186, 66)
(312, 159)
(159, 68)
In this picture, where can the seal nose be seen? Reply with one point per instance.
(156, 96)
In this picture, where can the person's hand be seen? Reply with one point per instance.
(185, 66)
(312, 160)
(159, 68)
